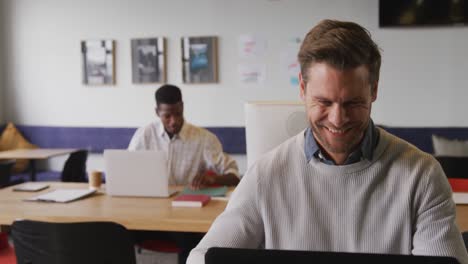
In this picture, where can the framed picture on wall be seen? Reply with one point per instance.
(200, 59)
(98, 61)
(149, 60)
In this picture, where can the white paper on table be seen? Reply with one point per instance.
(460, 197)
(30, 187)
(62, 195)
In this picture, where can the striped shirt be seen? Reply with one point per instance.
(192, 151)
(399, 203)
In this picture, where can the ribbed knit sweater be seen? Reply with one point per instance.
(399, 203)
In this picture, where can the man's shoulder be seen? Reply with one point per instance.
(144, 137)
(199, 132)
(148, 130)
(402, 145)
(281, 160)
(150, 126)
(288, 152)
(402, 150)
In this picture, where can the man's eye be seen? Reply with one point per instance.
(325, 102)
(353, 104)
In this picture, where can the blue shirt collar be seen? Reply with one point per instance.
(365, 151)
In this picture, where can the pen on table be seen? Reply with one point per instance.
(46, 200)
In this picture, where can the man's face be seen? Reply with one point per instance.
(172, 116)
(338, 105)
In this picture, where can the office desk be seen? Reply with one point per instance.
(462, 217)
(33, 155)
(132, 212)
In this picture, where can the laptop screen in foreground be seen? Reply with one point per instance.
(251, 256)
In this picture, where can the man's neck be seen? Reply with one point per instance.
(171, 135)
(363, 150)
(339, 158)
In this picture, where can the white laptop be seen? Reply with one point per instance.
(136, 173)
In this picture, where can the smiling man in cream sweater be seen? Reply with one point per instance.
(342, 184)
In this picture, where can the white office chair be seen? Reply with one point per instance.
(268, 124)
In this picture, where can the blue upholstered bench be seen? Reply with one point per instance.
(40, 176)
(421, 137)
(96, 139)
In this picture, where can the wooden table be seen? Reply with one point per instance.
(33, 155)
(132, 212)
(462, 217)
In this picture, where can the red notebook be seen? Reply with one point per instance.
(191, 200)
(458, 184)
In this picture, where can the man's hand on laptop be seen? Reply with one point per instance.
(203, 180)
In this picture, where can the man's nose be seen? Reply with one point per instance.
(172, 120)
(338, 116)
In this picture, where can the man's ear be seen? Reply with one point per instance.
(302, 87)
(156, 110)
(374, 91)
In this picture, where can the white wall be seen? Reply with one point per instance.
(423, 78)
(2, 62)
(2, 85)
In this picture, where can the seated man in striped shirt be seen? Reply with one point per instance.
(195, 155)
(343, 184)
